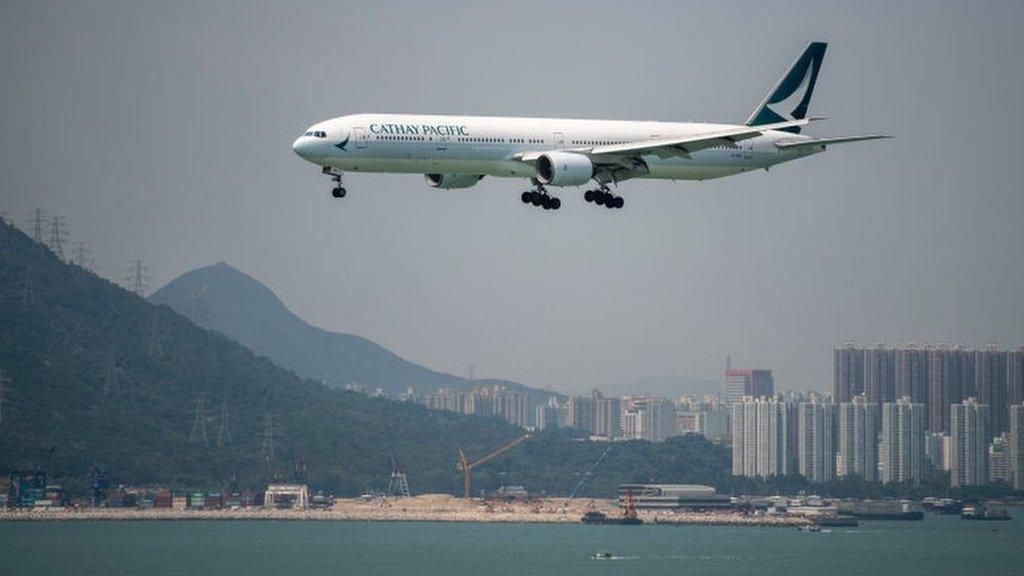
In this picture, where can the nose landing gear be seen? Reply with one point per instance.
(337, 191)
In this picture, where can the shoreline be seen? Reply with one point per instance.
(426, 508)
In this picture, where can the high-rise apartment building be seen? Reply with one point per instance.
(999, 467)
(902, 441)
(740, 383)
(937, 376)
(760, 437)
(550, 415)
(943, 385)
(968, 443)
(646, 418)
(879, 374)
(910, 378)
(714, 423)
(1015, 376)
(607, 415)
(936, 452)
(1017, 445)
(817, 446)
(849, 372)
(858, 438)
(990, 382)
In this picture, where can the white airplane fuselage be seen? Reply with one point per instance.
(493, 146)
(457, 151)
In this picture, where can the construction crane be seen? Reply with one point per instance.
(467, 467)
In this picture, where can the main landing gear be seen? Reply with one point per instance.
(602, 197)
(337, 191)
(540, 198)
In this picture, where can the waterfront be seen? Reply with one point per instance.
(939, 545)
(423, 508)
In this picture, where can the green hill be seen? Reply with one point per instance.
(222, 298)
(101, 377)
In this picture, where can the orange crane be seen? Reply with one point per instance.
(467, 467)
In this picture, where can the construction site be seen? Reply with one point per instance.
(30, 497)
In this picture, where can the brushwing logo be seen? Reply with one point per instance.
(792, 95)
(787, 106)
(341, 145)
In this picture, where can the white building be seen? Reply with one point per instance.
(968, 443)
(1017, 445)
(936, 451)
(858, 439)
(902, 441)
(760, 438)
(817, 441)
(645, 418)
(999, 468)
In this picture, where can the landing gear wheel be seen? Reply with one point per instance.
(617, 202)
(537, 199)
(556, 203)
(588, 195)
(601, 197)
(527, 196)
(338, 192)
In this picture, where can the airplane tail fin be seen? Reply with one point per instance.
(791, 95)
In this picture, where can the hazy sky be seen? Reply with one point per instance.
(162, 131)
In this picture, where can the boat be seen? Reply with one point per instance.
(839, 520)
(629, 516)
(947, 507)
(602, 556)
(809, 528)
(602, 518)
(982, 512)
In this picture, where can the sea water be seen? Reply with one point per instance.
(938, 545)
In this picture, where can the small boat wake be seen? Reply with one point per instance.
(610, 556)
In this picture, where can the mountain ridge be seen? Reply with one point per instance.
(223, 298)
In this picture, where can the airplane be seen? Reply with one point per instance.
(458, 151)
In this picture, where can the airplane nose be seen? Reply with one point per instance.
(301, 146)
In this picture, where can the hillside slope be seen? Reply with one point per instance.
(101, 377)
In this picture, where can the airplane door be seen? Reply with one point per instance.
(360, 134)
(559, 139)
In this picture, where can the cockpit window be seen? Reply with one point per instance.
(308, 134)
(321, 134)
(316, 134)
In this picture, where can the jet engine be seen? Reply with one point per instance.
(449, 181)
(564, 169)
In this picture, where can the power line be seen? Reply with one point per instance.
(138, 278)
(37, 225)
(267, 450)
(224, 434)
(58, 234)
(199, 424)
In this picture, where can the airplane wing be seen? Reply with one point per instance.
(798, 144)
(679, 146)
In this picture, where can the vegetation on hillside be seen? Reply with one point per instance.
(99, 377)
